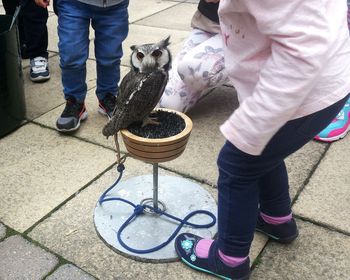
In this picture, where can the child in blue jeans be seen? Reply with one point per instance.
(109, 19)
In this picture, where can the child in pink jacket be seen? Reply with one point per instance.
(290, 64)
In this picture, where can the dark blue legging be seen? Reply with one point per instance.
(248, 182)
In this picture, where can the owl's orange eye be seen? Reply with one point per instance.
(156, 53)
(140, 55)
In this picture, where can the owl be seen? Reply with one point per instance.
(140, 89)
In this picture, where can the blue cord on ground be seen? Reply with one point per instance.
(139, 209)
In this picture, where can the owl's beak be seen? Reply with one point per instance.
(148, 65)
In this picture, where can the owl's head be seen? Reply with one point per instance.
(147, 58)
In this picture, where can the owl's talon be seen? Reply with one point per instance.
(148, 120)
(117, 147)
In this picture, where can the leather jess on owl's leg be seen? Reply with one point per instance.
(117, 148)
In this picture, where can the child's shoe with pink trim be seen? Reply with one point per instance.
(338, 128)
(185, 246)
(283, 233)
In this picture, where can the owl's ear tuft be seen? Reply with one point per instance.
(165, 42)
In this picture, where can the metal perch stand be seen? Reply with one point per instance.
(152, 221)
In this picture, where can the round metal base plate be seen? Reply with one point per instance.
(179, 196)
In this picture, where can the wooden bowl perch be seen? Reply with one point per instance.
(156, 150)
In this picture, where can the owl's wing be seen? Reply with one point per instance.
(126, 85)
(147, 95)
(124, 91)
(139, 94)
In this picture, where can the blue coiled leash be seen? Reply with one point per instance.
(139, 209)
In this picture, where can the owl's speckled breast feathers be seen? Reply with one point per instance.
(141, 89)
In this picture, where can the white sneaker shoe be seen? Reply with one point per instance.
(39, 69)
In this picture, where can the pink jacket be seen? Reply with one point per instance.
(286, 59)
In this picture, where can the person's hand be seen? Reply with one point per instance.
(43, 3)
(212, 1)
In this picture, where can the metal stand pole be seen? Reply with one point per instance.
(154, 201)
(155, 185)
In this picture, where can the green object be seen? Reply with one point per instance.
(12, 104)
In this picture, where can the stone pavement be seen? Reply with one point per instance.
(50, 183)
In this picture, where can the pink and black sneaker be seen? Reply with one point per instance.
(72, 115)
(106, 105)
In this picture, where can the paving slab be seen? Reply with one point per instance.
(302, 163)
(139, 9)
(172, 16)
(326, 198)
(69, 272)
(70, 232)
(40, 168)
(43, 97)
(2, 231)
(20, 259)
(317, 254)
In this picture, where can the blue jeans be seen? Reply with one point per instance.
(247, 183)
(111, 28)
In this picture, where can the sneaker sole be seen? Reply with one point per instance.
(212, 273)
(39, 79)
(286, 240)
(103, 112)
(335, 138)
(83, 117)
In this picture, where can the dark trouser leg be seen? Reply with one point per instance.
(35, 29)
(10, 6)
(275, 201)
